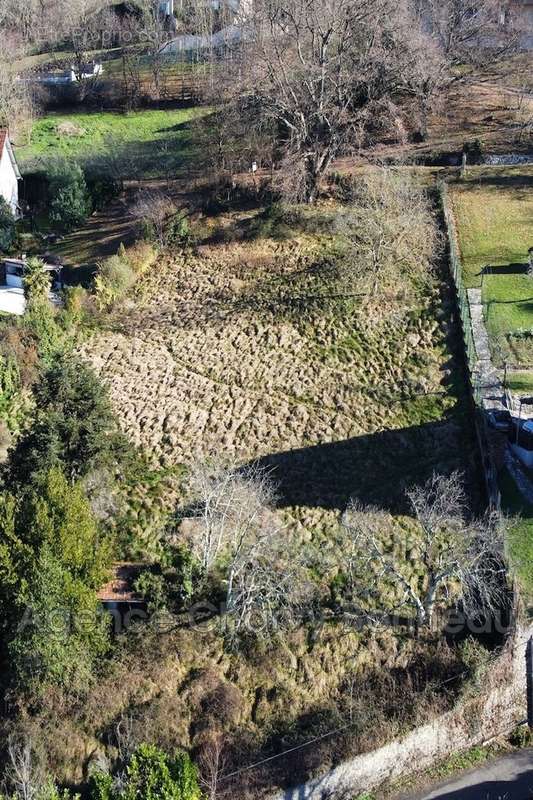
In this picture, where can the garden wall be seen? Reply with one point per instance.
(496, 709)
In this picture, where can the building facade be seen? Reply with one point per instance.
(9, 174)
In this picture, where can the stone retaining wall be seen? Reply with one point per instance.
(496, 710)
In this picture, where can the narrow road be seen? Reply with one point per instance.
(506, 778)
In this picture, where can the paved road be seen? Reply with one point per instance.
(506, 778)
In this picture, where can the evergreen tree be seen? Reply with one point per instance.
(52, 560)
(73, 426)
(69, 197)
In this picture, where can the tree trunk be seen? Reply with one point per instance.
(316, 166)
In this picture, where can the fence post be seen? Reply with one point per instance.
(529, 681)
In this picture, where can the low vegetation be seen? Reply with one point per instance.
(492, 206)
(240, 503)
(270, 390)
(144, 144)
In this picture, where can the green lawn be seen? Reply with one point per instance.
(146, 144)
(493, 209)
(520, 382)
(494, 212)
(520, 538)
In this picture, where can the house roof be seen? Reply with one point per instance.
(5, 142)
(120, 587)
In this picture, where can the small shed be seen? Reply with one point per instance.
(119, 598)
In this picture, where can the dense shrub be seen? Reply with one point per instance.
(10, 392)
(69, 201)
(178, 232)
(140, 256)
(151, 775)
(7, 227)
(115, 278)
(103, 191)
(40, 321)
(117, 274)
(17, 343)
(171, 585)
(36, 282)
(52, 561)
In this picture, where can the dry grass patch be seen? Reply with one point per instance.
(236, 353)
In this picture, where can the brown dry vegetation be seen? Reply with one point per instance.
(241, 349)
(231, 354)
(180, 688)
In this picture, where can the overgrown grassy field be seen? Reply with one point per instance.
(233, 356)
(493, 209)
(141, 144)
(237, 350)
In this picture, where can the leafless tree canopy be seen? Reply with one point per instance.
(16, 101)
(468, 32)
(238, 531)
(153, 208)
(390, 232)
(329, 75)
(22, 775)
(461, 560)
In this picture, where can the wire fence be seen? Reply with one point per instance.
(477, 389)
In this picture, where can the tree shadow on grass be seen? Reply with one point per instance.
(186, 125)
(497, 183)
(374, 468)
(138, 160)
(504, 269)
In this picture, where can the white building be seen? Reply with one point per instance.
(9, 174)
(12, 300)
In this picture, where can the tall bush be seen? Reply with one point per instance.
(69, 200)
(151, 775)
(7, 227)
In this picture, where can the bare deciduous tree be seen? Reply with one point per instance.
(458, 558)
(468, 32)
(153, 209)
(328, 75)
(212, 763)
(237, 530)
(16, 101)
(22, 774)
(390, 232)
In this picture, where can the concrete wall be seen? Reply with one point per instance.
(500, 705)
(8, 181)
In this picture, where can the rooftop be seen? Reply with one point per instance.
(120, 588)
